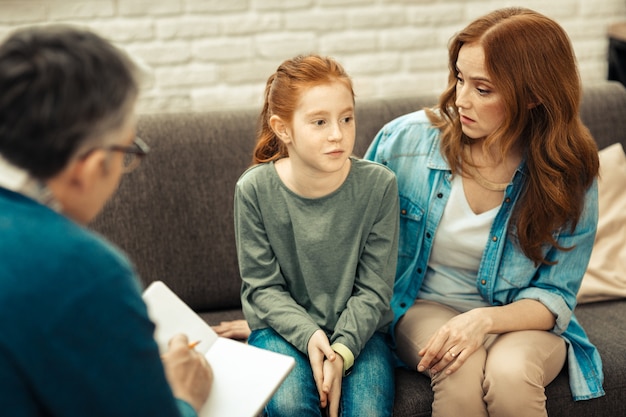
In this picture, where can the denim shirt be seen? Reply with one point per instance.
(410, 146)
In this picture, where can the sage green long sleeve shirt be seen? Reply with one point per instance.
(324, 263)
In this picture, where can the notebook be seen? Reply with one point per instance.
(245, 377)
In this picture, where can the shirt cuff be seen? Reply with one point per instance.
(186, 410)
(346, 354)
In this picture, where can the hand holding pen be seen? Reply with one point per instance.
(188, 372)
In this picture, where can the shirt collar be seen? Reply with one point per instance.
(20, 181)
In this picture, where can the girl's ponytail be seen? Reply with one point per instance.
(268, 147)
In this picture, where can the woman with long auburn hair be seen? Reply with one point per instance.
(498, 203)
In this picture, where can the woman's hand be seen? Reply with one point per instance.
(462, 335)
(235, 329)
(454, 342)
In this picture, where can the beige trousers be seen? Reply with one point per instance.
(506, 377)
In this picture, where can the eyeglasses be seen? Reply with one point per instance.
(133, 154)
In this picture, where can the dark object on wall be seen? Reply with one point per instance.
(617, 52)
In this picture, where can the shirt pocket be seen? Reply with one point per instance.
(411, 230)
(515, 273)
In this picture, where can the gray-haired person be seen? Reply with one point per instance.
(75, 337)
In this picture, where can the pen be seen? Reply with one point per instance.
(194, 344)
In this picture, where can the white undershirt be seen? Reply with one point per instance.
(457, 249)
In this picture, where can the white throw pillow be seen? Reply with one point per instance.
(605, 278)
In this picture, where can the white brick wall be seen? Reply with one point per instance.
(212, 54)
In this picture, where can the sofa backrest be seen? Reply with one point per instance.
(174, 214)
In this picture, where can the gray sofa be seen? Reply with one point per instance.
(174, 217)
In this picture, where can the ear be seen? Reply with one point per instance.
(77, 184)
(281, 129)
(81, 175)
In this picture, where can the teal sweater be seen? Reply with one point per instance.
(75, 338)
(325, 263)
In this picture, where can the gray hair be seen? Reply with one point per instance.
(63, 89)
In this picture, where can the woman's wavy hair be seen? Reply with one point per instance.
(530, 60)
(282, 95)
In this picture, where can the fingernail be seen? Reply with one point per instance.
(420, 368)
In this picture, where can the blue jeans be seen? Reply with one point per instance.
(367, 392)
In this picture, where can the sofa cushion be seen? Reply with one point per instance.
(605, 278)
